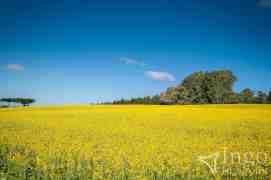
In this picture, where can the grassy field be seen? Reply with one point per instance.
(136, 142)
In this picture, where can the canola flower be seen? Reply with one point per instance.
(133, 142)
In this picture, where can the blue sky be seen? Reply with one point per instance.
(71, 51)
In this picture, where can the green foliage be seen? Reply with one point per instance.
(261, 97)
(268, 99)
(215, 87)
(183, 95)
(195, 85)
(218, 86)
(22, 101)
(145, 100)
(246, 95)
(170, 96)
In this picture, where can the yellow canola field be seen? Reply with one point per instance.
(135, 141)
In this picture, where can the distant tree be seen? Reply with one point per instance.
(122, 101)
(147, 100)
(269, 97)
(22, 101)
(183, 95)
(170, 96)
(156, 99)
(233, 98)
(261, 97)
(25, 101)
(7, 100)
(140, 100)
(246, 96)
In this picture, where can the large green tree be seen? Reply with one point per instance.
(194, 84)
(210, 87)
(218, 86)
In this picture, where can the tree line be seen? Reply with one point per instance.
(214, 87)
(22, 101)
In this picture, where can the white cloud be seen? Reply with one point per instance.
(160, 76)
(15, 67)
(264, 3)
(154, 75)
(130, 61)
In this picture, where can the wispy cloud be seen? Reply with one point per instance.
(130, 61)
(160, 76)
(15, 67)
(264, 3)
(154, 75)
